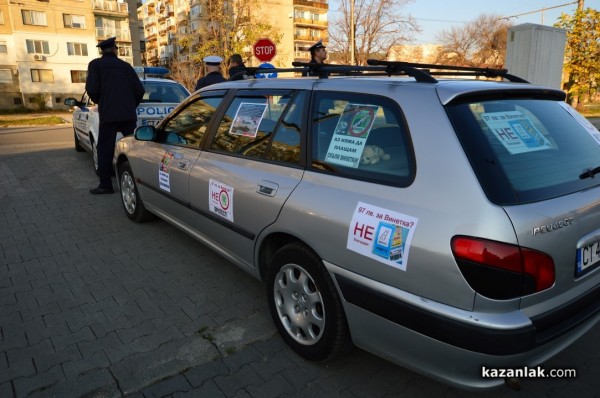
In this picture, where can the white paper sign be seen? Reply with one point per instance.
(516, 132)
(220, 199)
(381, 234)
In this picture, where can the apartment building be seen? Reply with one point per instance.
(46, 45)
(164, 22)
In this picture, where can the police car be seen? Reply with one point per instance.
(160, 98)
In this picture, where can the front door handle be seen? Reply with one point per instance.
(267, 188)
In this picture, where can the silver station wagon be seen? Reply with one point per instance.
(448, 225)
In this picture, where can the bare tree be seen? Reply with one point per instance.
(480, 43)
(379, 25)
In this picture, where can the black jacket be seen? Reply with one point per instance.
(237, 72)
(211, 78)
(113, 84)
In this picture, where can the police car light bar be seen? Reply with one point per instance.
(151, 70)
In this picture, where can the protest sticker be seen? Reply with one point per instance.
(515, 132)
(164, 168)
(247, 119)
(350, 135)
(381, 234)
(220, 199)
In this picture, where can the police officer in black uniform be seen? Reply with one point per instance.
(213, 75)
(318, 55)
(112, 84)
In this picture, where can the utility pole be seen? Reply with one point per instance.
(352, 44)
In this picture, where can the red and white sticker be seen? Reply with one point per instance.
(220, 199)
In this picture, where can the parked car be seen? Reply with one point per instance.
(444, 224)
(160, 98)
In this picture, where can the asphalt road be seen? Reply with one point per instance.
(93, 305)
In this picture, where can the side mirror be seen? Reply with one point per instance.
(71, 102)
(145, 133)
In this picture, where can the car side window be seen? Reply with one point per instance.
(361, 136)
(190, 124)
(251, 126)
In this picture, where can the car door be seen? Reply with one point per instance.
(165, 163)
(248, 169)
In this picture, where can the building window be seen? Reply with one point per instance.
(17, 101)
(78, 76)
(5, 76)
(77, 49)
(74, 21)
(42, 75)
(3, 48)
(37, 47)
(34, 17)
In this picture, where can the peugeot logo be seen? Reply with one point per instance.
(552, 227)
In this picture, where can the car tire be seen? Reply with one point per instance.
(305, 305)
(130, 197)
(95, 156)
(78, 146)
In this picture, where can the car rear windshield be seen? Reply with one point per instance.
(527, 150)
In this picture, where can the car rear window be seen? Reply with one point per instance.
(526, 150)
(164, 92)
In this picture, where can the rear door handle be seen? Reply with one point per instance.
(267, 188)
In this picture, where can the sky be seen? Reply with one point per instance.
(433, 17)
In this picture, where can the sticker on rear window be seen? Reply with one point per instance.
(516, 132)
(381, 234)
(350, 135)
(247, 119)
(589, 127)
(220, 199)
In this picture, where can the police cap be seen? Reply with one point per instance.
(316, 46)
(213, 60)
(108, 43)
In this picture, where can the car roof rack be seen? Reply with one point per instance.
(421, 72)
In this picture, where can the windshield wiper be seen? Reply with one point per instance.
(590, 173)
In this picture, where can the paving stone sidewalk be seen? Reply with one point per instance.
(93, 305)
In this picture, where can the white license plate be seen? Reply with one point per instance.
(151, 122)
(588, 257)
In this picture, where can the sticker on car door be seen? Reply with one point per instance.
(381, 234)
(164, 177)
(220, 199)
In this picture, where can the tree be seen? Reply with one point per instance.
(581, 54)
(379, 25)
(228, 27)
(481, 43)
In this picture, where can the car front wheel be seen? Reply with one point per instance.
(305, 305)
(132, 203)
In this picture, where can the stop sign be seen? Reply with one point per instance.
(264, 50)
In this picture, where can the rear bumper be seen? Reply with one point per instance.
(450, 344)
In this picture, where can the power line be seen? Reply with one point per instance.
(542, 10)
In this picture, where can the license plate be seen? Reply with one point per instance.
(588, 258)
(151, 122)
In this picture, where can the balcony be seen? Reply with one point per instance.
(321, 4)
(120, 34)
(109, 7)
(309, 21)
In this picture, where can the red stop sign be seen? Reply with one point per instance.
(264, 50)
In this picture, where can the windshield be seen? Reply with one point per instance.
(526, 150)
(170, 92)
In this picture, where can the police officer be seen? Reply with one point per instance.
(112, 84)
(213, 75)
(318, 53)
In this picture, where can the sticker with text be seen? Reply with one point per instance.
(164, 180)
(381, 234)
(515, 131)
(350, 135)
(220, 199)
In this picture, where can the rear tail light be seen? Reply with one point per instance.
(502, 271)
